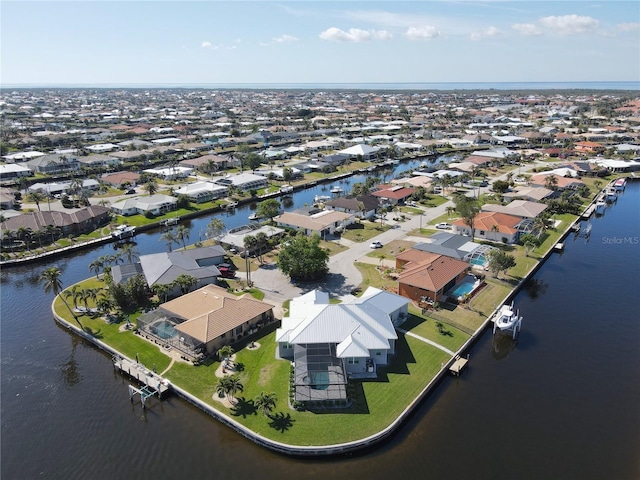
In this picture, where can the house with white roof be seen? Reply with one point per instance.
(367, 152)
(200, 192)
(331, 342)
(154, 204)
(244, 181)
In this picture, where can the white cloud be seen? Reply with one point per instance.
(569, 24)
(285, 39)
(527, 29)
(629, 27)
(206, 45)
(489, 32)
(354, 35)
(422, 33)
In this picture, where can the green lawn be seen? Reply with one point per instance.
(426, 328)
(363, 231)
(371, 277)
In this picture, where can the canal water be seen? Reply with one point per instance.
(562, 402)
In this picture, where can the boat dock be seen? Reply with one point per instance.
(459, 364)
(152, 383)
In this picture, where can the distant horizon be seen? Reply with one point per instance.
(443, 86)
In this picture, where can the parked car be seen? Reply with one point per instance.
(376, 245)
(131, 191)
(443, 226)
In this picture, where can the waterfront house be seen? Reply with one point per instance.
(200, 192)
(325, 222)
(494, 226)
(244, 181)
(427, 276)
(363, 206)
(517, 208)
(205, 320)
(12, 171)
(331, 342)
(81, 221)
(149, 204)
(393, 194)
(164, 267)
(54, 164)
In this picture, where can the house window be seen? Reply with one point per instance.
(481, 232)
(353, 361)
(378, 353)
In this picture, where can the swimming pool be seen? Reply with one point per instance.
(480, 261)
(318, 380)
(164, 329)
(465, 287)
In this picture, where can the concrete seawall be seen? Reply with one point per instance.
(347, 447)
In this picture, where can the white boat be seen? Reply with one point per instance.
(336, 189)
(507, 319)
(620, 184)
(254, 216)
(123, 231)
(600, 206)
(321, 198)
(286, 189)
(611, 194)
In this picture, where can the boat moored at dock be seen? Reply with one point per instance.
(507, 319)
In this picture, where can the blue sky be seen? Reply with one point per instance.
(209, 42)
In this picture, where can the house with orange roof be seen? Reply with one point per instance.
(590, 147)
(561, 183)
(393, 194)
(492, 226)
(429, 276)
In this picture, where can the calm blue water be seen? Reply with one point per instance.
(630, 85)
(561, 403)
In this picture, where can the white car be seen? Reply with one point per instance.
(376, 245)
(443, 226)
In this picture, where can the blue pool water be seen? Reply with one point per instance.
(319, 380)
(479, 261)
(164, 329)
(465, 287)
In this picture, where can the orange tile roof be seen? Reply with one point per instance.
(211, 311)
(434, 274)
(487, 220)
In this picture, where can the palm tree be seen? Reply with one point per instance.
(450, 210)
(36, 197)
(185, 282)
(51, 282)
(222, 387)
(161, 290)
(265, 402)
(24, 234)
(225, 353)
(261, 242)
(74, 293)
(182, 234)
(128, 251)
(170, 238)
(151, 187)
(215, 228)
(540, 225)
(234, 385)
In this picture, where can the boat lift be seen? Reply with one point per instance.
(506, 319)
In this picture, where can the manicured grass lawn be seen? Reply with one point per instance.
(434, 201)
(390, 250)
(371, 277)
(367, 231)
(426, 328)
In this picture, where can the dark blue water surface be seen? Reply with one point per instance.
(564, 402)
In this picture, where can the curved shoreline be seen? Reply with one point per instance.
(356, 445)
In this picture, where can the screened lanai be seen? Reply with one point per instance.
(319, 373)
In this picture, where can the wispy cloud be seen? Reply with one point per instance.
(569, 24)
(354, 35)
(489, 32)
(285, 39)
(426, 32)
(628, 27)
(527, 29)
(210, 46)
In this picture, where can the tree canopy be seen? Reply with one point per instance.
(468, 209)
(500, 261)
(268, 208)
(304, 259)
